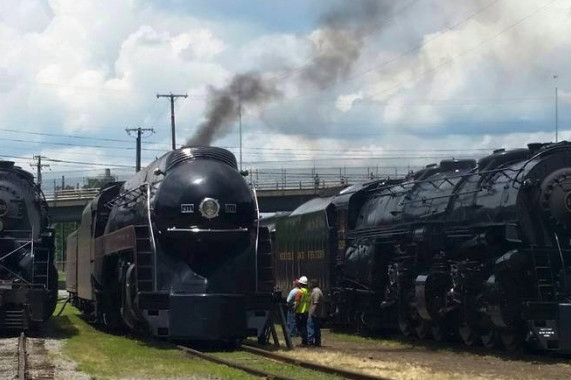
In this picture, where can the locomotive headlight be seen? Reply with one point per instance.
(209, 208)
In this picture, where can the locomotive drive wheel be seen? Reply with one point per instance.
(490, 339)
(423, 329)
(405, 326)
(359, 325)
(467, 334)
(512, 340)
(439, 332)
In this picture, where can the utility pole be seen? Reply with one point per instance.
(139, 134)
(172, 97)
(240, 119)
(39, 167)
(556, 111)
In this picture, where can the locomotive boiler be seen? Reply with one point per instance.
(176, 250)
(28, 277)
(476, 250)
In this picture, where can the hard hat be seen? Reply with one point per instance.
(303, 280)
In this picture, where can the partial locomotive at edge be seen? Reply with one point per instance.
(175, 251)
(28, 277)
(480, 250)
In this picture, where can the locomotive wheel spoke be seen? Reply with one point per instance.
(512, 340)
(422, 329)
(490, 339)
(467, 334)
(405, 327)
(438, 332)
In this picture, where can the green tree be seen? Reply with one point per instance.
(62, 230)
(99, 181)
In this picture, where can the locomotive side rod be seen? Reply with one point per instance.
(22, 357)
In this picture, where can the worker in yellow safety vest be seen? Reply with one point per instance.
(301, 307)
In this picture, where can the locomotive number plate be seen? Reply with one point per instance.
(187, 208)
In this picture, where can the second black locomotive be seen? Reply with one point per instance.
(478, 250)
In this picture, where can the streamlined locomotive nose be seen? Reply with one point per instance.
(205, 194)
(204, 212)
(556, 198)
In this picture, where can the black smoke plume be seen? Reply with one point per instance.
(340, 40)
(245, 90)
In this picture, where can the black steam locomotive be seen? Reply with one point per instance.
(176, 250)
(28, 277)
(476, 250)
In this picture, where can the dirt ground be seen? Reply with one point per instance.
(411, 360)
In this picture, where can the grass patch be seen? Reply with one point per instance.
(61, 276)
(107, 356)
(274, 367)
(379, 341)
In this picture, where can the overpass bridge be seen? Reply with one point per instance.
(67, 205)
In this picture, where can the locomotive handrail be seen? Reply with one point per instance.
(152, 235)
(17, 275)
(424, 199)
(412, 183)
(198, 230)
(565, 145)
(15, 250)
(257, 235)
(121, 199)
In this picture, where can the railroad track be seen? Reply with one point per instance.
(24, 358)
(341, 373)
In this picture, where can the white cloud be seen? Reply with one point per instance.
(345, 102)
(94, 68)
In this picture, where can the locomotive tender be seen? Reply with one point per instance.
(477, 250)
(28, 277)
(176, 251)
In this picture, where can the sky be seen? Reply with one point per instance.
(342, 85)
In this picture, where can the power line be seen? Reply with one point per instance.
(61, 135)
(78, 145)
(362, 36)
(404, 54)
(466, 52)
(425, 42)
(87, 163)
(363, 158)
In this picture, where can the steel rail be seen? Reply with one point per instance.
(309, 365)
(250, 370)
(22, 357)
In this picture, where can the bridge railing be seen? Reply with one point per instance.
(72, 194)
(297, 185)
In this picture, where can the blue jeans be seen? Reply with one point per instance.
(291, 323)
(301, 320)
(314, 331)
